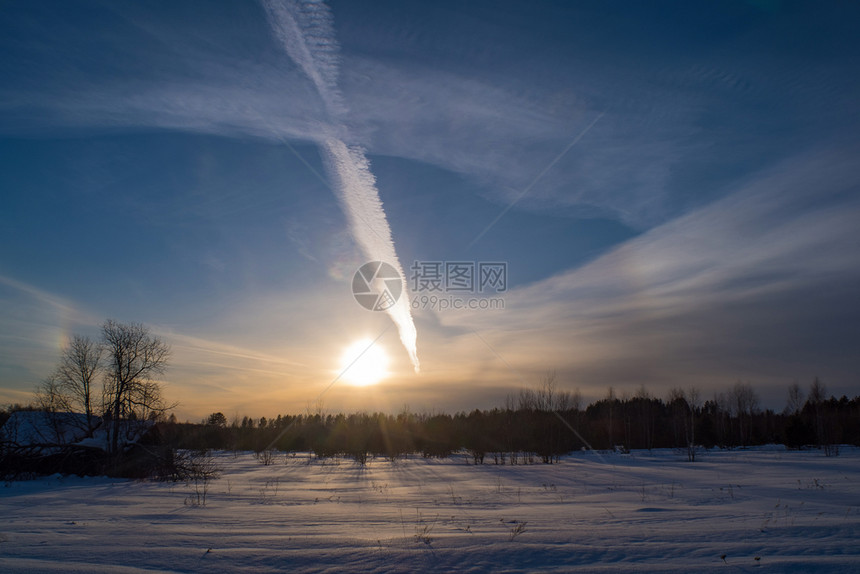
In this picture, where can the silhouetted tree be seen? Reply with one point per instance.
(745, 403)
(217, 419)
(794, 404)
(134, 357)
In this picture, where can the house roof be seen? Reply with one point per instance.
(35, 428)
(49, 431)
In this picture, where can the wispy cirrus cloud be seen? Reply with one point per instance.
(760, 284)
(680, 128)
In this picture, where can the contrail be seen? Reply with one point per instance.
(305, 29)
(351, 171)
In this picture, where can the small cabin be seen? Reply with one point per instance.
(40, 442)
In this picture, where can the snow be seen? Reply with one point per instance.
(613, 512)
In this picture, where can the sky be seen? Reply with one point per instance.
(672, 187)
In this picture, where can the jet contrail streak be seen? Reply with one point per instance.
(305, 30)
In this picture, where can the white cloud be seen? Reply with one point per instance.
(735, 289)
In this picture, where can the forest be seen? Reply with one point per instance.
(540, 425)
(536, 425)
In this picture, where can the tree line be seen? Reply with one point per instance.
(544, 423)
(112, 382)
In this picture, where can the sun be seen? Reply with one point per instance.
(364, 363)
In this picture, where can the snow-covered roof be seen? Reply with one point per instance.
(46, 431)
(129, 433)
(35, 428)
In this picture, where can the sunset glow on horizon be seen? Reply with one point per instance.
(643, 197)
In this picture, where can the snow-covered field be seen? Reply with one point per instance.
(763, 510)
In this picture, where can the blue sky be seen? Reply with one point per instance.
(161, 163)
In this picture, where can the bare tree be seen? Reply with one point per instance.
(50, 397)
(546, 397)
(694, 402)
(526, 400)
(646, 415)
(549, 397)
(576, 400)
(134, 357)
(545, 394)
(795, 400)
(746, 403)
(77, 373)
(817, 392)
(678, 408)
(550, 406)
(821, 417)
(610, 400)
(685, 405)
(724, 417)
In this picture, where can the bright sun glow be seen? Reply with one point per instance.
(367, 369)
